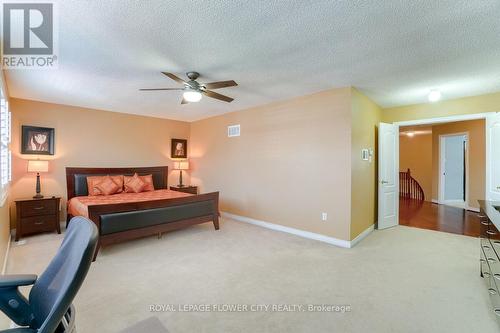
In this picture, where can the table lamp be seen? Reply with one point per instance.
(38, 166)
(181, 165)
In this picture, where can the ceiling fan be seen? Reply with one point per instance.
(193, 90)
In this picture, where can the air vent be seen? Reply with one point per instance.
(233, 130)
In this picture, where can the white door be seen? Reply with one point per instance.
(388, 175)
(452, 158)
(493, 157)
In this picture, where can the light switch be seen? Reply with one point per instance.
(365, 155)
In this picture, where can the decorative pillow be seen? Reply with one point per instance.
(107, 186)
(148, 179)
(118, 179)
(92, 181)
(134, 184)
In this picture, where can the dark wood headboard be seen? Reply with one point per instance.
(73, 175)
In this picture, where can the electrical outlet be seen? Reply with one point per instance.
(324, 216)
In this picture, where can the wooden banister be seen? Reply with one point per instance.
(409, 187)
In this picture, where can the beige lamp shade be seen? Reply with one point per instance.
(181, 165)
(38, 166)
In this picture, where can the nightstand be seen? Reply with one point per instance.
(185, 189)
(37, 215)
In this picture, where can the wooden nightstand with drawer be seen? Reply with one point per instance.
(37, 215)
(185, 189)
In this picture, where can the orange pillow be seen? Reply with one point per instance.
(107, 186)
(134, 184)
(92, 181)
(148, 179)
(119, 181)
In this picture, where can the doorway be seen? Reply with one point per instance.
(388, 180)
(453, 161)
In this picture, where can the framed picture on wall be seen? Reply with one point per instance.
(178, 148)
(37, 140)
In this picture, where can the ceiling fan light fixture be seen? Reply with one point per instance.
(193, 90)
(192, 96)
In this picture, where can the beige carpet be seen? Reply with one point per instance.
(398, 280)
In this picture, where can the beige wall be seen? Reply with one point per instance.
(477, 157)
(89, 138)
(365, 119)
(296, 153)
(460, 106)
(291, 163)
(415, 153)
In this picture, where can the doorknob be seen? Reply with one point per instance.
(384, 182)
(498, 187)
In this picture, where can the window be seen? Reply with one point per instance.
(5, 154)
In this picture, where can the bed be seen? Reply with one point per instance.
(121, 217)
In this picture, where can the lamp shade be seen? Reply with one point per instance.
(181, 165)
(38, 166)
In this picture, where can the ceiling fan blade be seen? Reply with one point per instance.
(154, 89)
(174, 77)
(184, 101)
(215, 95)
(220, 84)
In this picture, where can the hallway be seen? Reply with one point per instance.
(426, 215)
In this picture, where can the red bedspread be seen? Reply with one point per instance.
(78, 206)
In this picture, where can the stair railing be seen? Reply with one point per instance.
(409, 188)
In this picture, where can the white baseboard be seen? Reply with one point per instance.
(300, 233)
(362, 235)
(467, 207)
(473, 209)
(7, 251)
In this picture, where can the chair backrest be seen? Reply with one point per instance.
(55, 289)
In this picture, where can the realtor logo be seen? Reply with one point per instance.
(28, 36)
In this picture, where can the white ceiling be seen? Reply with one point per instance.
(393, 51)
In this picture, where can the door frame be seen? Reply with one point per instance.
(440, 120)
(492, 190)
(458, 203)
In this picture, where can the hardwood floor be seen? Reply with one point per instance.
(426, 215)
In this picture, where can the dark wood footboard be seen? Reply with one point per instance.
(162, 225)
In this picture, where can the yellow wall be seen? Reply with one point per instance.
(477, 157)
(415, 153)
(89, 138)
(460, 106)
(365, 119)
(291, 163)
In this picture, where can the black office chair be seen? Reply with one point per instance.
(49, 307)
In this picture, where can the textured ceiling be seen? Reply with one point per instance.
(393, 51)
